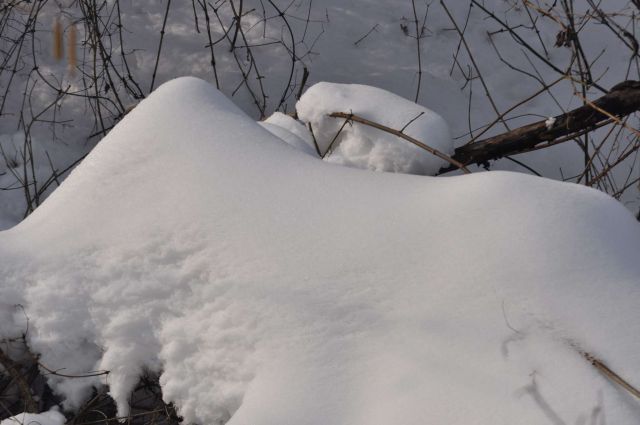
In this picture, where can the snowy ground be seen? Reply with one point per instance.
(268, 286)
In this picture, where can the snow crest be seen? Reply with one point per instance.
(359, 146)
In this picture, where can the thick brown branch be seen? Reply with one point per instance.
(622, 100)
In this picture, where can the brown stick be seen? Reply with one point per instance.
(355, 118)
(611, 375)
(622, 100)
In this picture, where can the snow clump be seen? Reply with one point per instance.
(360, 146)
(291, 131)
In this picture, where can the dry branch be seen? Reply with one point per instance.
(351, 117)
(13, 370)
(623, 99)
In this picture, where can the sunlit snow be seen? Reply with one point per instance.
(270, 287)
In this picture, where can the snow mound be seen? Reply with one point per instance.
(51, 417)
(270, 287)
(360, 146)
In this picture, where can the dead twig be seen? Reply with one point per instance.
(611, 375)
(355, 118)
(63, 375)
(162, 31)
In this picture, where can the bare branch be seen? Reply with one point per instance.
(355, 118)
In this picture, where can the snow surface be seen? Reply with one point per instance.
(269, 287)
(365, 147)
(291, 131)
(51, 417)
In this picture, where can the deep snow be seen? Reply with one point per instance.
(270, 287)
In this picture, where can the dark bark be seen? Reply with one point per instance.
(623, 99)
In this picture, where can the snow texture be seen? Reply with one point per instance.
(51, 417)
(359, 146)
(15, 167)
(269, 287)
(291, 131)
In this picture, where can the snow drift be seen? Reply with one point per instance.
(270, 287)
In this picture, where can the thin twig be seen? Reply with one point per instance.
(611, 375)
(164, 25)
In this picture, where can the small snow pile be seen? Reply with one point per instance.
(550, 122)
(269, 287)
(291, 131)
(360, 146)
(51, 417)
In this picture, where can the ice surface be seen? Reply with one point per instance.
(269, 287)
(365, 147)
